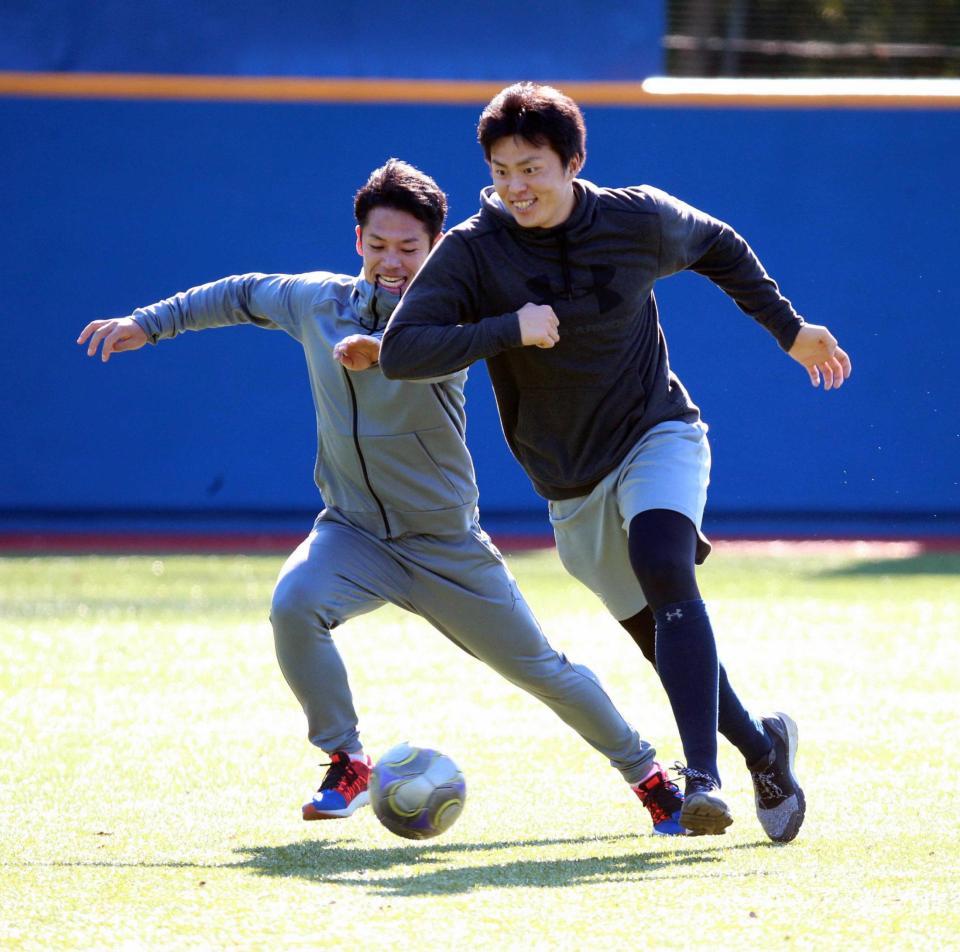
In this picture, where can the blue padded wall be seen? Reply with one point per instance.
(107, 205)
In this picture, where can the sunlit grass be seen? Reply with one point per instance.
(152, 766)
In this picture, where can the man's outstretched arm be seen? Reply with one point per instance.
(272, 301)
(692, 239)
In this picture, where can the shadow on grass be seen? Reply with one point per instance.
(387, 871)
(930, 563)
(336, 862)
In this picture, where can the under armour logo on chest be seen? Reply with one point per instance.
(602, 275)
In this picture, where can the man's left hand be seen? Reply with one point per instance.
(816, 348)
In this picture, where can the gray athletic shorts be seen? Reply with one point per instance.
(669, 468)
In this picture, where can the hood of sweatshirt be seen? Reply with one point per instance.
(576, 226)
(570, 232)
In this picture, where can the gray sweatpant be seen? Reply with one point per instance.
(460, 585)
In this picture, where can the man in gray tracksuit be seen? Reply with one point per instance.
(400, 523)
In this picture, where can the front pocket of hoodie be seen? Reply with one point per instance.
(553, 434)
(453, 461)
(406, 477)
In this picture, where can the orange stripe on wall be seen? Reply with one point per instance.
(242, 88)
(431, 91)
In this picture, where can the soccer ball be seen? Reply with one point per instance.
(416, 792)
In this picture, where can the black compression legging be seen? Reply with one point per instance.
(663, 549)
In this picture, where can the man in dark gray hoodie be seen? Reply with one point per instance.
(552, 283)
(400, 523)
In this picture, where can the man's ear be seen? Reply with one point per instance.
(576, 164)
(359, 241)
(436, 241)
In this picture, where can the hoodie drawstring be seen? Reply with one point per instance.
(565, 264)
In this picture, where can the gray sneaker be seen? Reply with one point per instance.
(780, 801)
(703, 812)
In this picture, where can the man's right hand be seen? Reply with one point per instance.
(116, 334)
(539, 326)
(357, 352)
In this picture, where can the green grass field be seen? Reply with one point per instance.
(153, 766)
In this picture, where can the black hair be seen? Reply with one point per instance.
(541, 115)
(399, 185)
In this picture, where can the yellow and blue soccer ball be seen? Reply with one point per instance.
(416, 792)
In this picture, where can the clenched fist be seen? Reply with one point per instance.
(539, 326)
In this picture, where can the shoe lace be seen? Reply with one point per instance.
(656, 810)
(767, 787)
(341, 775)
(699, 777)
(662, 799)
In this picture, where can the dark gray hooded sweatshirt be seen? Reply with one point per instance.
(571, 413)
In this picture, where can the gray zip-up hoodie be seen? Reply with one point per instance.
(391, 456)
(571, 413)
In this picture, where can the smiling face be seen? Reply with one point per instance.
(532, 182)
(393, 245)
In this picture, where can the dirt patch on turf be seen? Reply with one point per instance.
(853, 548)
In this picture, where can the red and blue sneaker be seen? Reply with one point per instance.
(663, 799)
(344, 788)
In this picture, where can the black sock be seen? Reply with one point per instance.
(733, 721)
(688, 667)
(746, 733)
